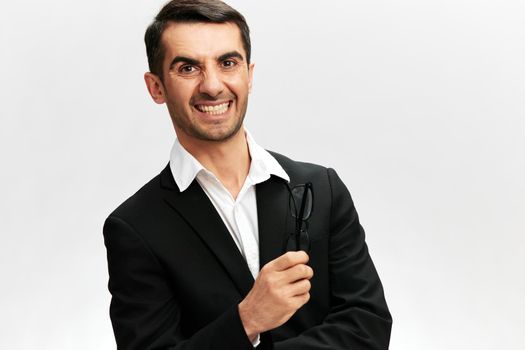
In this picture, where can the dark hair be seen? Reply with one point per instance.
(209, 11)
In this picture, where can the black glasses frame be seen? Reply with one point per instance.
(299, 239)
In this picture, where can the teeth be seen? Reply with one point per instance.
(218, 109)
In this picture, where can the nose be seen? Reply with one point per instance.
(211, 83)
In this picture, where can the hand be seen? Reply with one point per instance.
(281, 288)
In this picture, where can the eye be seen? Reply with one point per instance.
(187, 69)
(229, 63)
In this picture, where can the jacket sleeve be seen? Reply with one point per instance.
(359, 318)
(144, 310)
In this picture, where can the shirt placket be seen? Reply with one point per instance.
(245, 231)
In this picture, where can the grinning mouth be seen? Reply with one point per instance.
(213, 110)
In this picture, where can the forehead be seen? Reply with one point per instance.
(201, 40)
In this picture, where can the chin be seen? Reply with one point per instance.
(216, 135)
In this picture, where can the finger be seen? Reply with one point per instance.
(297, 272)
(288, 260)
(299, 288)
(300, 300)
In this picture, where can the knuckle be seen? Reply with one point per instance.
(304, 257)
(310, 271)
(304, 286)
(307, 285)
(269, 280)
(300, 301)
(306, 297)
(305, 270)
(265, 269)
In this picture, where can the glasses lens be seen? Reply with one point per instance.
(296, 200)
(296, 243)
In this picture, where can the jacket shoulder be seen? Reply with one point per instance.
(297, 169)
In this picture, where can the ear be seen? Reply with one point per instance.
(250, 76)
(155, 87)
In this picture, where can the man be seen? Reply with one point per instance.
(228, 247)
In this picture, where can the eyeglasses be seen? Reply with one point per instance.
(301, 206)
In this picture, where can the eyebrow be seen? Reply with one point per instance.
(178, 59)
(231, 54)
(225, 56)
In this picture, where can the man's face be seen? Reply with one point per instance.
(206, 79)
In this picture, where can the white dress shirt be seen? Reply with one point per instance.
(240, 214)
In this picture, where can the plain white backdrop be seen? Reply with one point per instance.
(419, 105)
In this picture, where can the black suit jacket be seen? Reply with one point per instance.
(176, 275)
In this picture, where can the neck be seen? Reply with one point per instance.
(228, 160)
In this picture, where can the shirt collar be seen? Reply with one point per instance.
(185, 167)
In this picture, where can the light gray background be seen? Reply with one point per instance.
(417, 104)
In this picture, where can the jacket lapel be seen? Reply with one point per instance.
(195, 207)
(272, 215)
